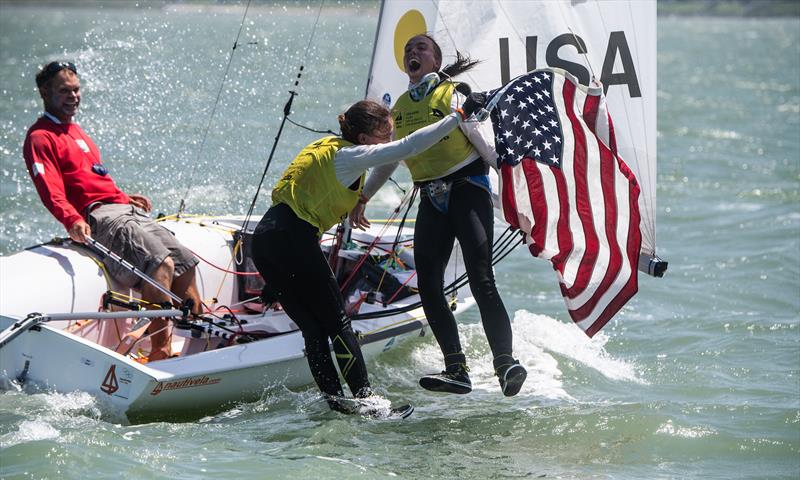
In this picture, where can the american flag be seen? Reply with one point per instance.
(566, 188)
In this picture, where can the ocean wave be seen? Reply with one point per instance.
(535, 331)
(29, 431)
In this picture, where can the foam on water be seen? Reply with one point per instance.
(53, 413)
(669, 428)
(29, 431)
(539, 341)
(545, 333)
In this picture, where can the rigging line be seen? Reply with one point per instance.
(286, 111)
(313, 30)
(213, 111)
(311, 129)
(585, 55)
(374, 49)
(448, 289)
(453, 42)
(578, 41)
(371, 246)
(397, 185)
(402, 223)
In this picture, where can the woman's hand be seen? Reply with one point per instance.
(357, 218)
(141, 201)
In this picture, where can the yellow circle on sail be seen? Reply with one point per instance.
(410, 24)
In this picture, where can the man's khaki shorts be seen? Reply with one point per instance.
(130, 233)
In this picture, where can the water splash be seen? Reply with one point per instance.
(29, 431)
(534, 331)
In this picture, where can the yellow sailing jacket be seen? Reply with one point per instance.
(310, 187)
(410, 116)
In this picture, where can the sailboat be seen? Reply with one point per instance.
(74, 332)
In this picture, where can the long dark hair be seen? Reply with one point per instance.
(364, 116)
(462, 64)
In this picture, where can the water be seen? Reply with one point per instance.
(699, 377)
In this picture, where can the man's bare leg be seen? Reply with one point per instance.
(185, 287)
(160, 341)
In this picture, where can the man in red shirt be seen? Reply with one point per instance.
(76, 188)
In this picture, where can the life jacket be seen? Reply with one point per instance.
(310, 187)
(450, 151)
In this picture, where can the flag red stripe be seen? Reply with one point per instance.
(607, 179)
(615, 253)
(583, 206)
(563, 232)
(537, 197)
(507, 195)
(634, 245)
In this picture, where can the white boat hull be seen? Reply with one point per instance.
(65, 356)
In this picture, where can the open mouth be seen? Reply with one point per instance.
(413, 65)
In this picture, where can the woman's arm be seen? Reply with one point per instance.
(352, 161)
(479, 134)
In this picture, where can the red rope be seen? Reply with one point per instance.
(245, 274)
(401, 286)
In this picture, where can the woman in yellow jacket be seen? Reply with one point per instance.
(455, 204)
(320, 186)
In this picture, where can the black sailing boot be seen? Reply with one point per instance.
(510, 374)
(454, 379)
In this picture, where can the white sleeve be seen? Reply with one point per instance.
(377, 177)
(350, 162)
(479, 134)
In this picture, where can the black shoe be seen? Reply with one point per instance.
(511, 377)
(383, 413)
(403, 411)
(454, 381)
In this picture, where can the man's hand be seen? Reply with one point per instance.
(79, 230)
(357, 218)
(141, 201)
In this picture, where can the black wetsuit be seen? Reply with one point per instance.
(469, 218)
(287, 254)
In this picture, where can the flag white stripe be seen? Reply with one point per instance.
(573, 261)
(597, 201)
(551, 246)
(622, 192)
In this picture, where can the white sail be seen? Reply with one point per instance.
(512, 37)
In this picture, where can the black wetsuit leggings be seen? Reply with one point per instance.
(470, 220)
(287, 254)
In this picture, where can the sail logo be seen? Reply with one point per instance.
(412, 23)
(185, 383)
(110, 383)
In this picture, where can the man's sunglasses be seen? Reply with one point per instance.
(52, 68)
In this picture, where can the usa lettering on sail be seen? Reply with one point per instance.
(617, 47)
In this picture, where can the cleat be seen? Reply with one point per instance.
(454, 381)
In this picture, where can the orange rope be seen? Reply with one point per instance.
(245, 274)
